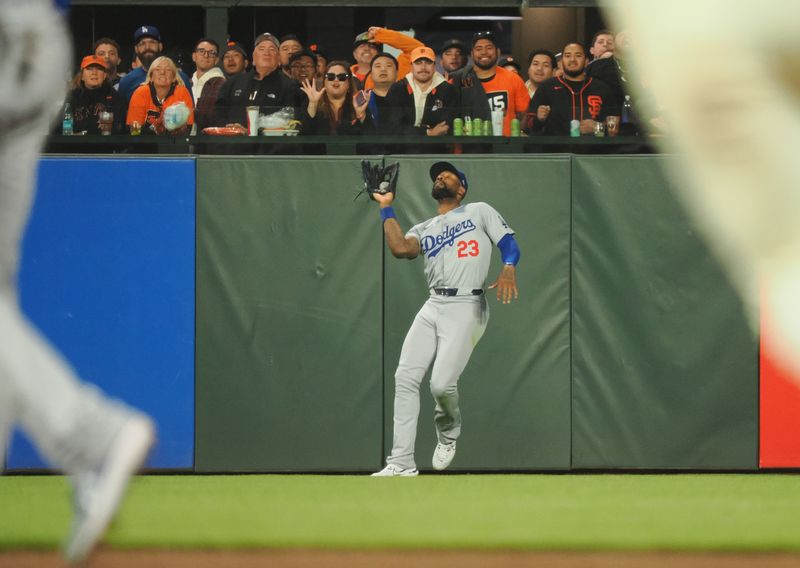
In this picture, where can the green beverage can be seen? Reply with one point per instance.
(515, 127)
(477, 127)
(467, 126)
(458, 127)
(487, 128)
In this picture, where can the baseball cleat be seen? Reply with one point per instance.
(443, 455)
(98, 493)
(392, 470)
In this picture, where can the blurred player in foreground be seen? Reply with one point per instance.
(728, 82)
(98, 442)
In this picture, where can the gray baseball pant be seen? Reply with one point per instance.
(445, 331)
(72, 424)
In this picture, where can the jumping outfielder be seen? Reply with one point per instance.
(457, 247)
(100, 443)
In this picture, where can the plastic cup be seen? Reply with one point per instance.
(612, 125)
(106, 123)
(252, 120)
(497, 122)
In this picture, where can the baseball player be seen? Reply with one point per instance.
(457, 248)
(98, 442)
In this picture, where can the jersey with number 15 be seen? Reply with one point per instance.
(457, 246)
(506, 91)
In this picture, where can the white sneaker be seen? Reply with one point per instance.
(98, 493)
(443, 455)
(392, 470)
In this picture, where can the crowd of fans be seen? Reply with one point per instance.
(418, 92)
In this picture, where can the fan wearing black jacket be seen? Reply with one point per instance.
(574, 96)
(264, 86)
(423, 103)
(92, 94)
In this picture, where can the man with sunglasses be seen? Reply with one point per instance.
(264, 86)
(484, 81)
(456, 246)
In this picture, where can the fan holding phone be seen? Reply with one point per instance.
(339, 107)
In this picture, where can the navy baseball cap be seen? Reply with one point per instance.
(440, 167)
(146, 31)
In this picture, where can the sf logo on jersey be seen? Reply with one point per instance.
(498, 100)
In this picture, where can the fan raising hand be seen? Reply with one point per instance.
(310, 89)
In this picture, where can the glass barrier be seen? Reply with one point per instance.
(346, 145)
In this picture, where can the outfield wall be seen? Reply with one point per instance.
(627, 348)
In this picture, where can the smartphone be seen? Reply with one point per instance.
(361, 98)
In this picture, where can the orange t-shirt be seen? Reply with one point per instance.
(506, 91)
(143, 110)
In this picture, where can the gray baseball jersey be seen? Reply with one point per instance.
(457, 246)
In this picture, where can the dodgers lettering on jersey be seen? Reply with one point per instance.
(432, 245)
(457, 246)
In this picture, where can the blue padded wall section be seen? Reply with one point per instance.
(108, 277)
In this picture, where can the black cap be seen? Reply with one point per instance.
(484, 35)
(317, 50)
(509, 61)
(440, 167)
(454, 42)
(234, 46)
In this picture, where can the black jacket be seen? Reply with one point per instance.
(321, 125)
(242, 90)
(611, 72)
(399, 110)
(570, 100)
(471, 97)
(87, 104)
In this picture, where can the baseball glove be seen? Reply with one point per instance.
(378, 178)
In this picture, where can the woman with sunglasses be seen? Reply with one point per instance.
(336, 108)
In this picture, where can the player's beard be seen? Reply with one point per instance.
(440, 191)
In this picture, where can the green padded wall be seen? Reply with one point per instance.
(289, 371)
(664, 366)
(301, 313)
(515, 392)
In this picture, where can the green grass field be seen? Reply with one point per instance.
(729, 512)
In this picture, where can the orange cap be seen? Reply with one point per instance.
(423, 53)
(92, 60)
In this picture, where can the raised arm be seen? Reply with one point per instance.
(399, 245)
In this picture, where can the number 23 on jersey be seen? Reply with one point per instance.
(467, 248)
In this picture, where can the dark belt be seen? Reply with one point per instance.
(454, 292)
